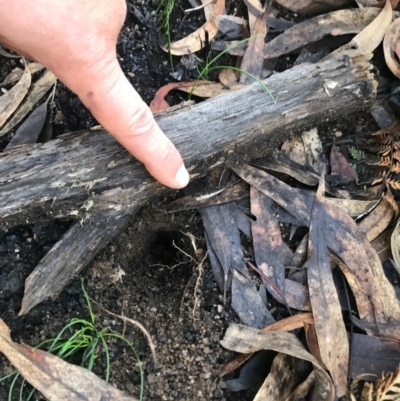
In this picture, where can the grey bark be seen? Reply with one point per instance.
(90, 177)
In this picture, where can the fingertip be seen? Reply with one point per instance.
(182, 177)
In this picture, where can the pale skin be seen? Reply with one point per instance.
(76, 40)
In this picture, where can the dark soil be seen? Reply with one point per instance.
(159, 286)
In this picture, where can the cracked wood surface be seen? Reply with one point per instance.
(82, 173)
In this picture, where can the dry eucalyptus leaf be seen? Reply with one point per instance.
(376, 3)
(255, 8)
(382, 245)
(17, 72)
(253, 58)
(210, 89)
(383, 355)
(395, 243)
(288, 324)
(231, 27)
(10, 101)
(343, 237)
(279, 162)
(313, 6)
(365, 307)
(228, 77)
(247, 303)
(280, 381)
(329, 325)
(56, 379)
(303, 389)
(217, 197)
(5, 53)
(340, 22)
(341, 168)
(354, 207)
(270, 251)
(38, 90)
(377, 221)
(30, 129)
(294, 148)
(159, 103)
(391, 47)
(208, 7)
(246, 340)
(336, 23)
(252, 16)
(195, 41)
(370, 37)
(312, 147)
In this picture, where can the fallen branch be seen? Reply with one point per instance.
(90, 177)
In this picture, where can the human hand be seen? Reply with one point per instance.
(76, 40)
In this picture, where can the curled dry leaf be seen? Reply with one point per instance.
(228, 77)
(56, 379)
(395, 243)
(280, 381)
(312, 147)
(336, 23)
(195, 41)
(210, 89)
(343, 237)
(10, 101)
(354, 207)
(159, 103)
(17, 72)
(303, 389)
(216, 197)
(376, 3)
(312, 340)
(294, 148)
(38, 90)
(208, 7)
(30, 129)
(288, 324)
(382, 245)
(230, 26)
(341, 168)
(246, 340)
(391, 47)
(377, 221)
(340, 22)
(281, 163)
(312, 6)
(5, 53)
(329, 325)
(370, 37)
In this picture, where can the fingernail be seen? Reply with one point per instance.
(182, 177)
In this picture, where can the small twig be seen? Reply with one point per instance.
(135, 323)
(179, 249)
(197, 285)
(268, 280)
(199, 7)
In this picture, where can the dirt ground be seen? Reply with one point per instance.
(159, 286)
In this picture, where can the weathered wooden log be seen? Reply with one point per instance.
(89, 177)
(61, 178)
